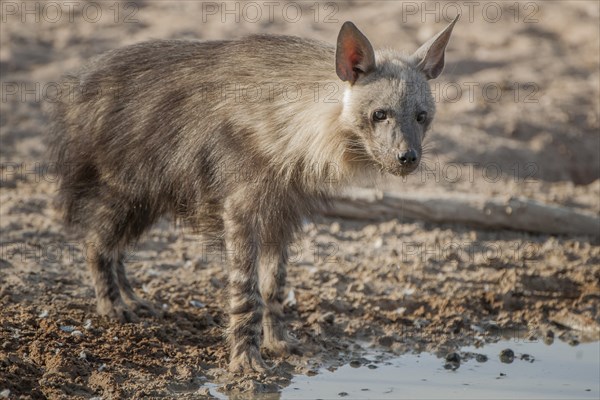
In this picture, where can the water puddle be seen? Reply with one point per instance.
(528, 370)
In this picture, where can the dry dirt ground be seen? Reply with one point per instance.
(518, 114)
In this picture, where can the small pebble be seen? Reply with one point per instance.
(452, 366)
(507, 356)
(88, 324)
(290, 300)
(355, 363)
(420, 323)
(82, 355)
(77, 333)
(548, 337)
(452, 361)
(481, 358)
(335, 228)
(328, 317)
(372, 366)
(342, 394)
(5, 394)
(197, 304)
(43, 314)
(67, 328)
(453, 357)
(491, 325)
(378, 243)
(102, 368)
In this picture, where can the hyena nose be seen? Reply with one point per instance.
(407, 158)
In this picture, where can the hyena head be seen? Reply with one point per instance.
(387, 103)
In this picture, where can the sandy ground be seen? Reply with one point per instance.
(518, 114)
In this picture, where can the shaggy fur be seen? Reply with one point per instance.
(242, 139)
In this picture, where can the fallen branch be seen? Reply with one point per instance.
(497, 213)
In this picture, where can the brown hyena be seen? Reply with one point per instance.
(240, 138)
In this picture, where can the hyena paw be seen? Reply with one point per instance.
(247, 362)
(141, 307)
(277, 341)
(117, 310)
(282, 345)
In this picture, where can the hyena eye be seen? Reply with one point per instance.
(379, 115)
(422, 117)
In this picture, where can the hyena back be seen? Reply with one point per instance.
(240, 138)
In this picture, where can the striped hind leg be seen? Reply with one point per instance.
(135, 303)
(113, 223)
(246, 305)
(272, 274)
(108, 296)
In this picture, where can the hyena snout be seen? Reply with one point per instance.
(408, 158)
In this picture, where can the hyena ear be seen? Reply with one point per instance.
(354, 54)
(429, 58)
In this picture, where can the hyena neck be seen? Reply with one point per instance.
(326, 158)
(299, 131)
